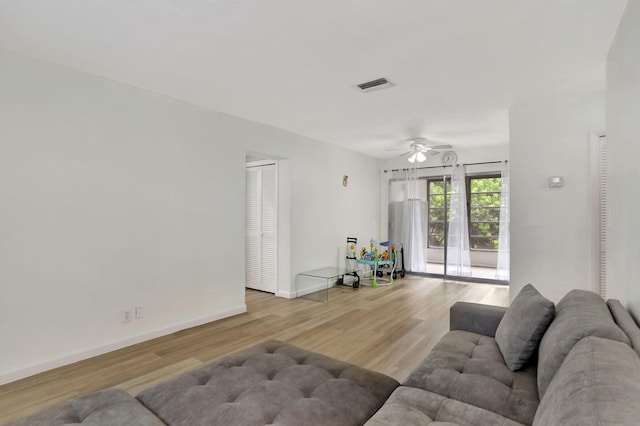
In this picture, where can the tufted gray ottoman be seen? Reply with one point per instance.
(271, 383)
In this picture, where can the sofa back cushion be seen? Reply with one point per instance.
(625, 321)
(597, 384)
(579, 314)
(519, 333)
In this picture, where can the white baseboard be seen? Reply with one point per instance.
(286, 294)
(21, 373)
(313, 289)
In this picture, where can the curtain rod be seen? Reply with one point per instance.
(437, 167)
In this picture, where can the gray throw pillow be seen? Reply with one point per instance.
(523, 325)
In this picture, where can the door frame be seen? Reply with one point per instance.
(283, 270)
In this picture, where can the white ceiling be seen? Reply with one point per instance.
(293, 64)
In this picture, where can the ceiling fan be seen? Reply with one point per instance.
(418, 148)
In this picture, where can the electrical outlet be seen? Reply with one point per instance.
(139, 312)
(125, 315)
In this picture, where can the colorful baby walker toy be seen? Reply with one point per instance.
(377, 261)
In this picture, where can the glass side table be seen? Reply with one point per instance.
(314, 285)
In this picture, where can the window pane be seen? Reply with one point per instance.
(436, 201)
(436, 187)
(485, 214)
(486, 184)
(486, 199)
(436, 214)
(436, 228)
(436, 240)
(484, 229)
(484, 243)
(436, 217)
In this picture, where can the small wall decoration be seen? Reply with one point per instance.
(345, 180)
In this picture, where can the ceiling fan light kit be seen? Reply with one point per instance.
(417, 156)
(418, 148)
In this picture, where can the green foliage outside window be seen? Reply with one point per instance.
(437, 211)
(484, 212)
(483, 197)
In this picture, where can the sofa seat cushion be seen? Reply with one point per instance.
(579, 314)
(469, 367)
(111, 407)
(271, 383)
(597, 384)
(413, 407)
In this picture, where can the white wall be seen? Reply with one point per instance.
(323, 212)
(623, 136)
(114, 197)
(550, 227)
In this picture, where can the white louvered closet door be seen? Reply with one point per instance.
(261, 246)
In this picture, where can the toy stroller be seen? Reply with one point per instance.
(398, 262)
(350, 263)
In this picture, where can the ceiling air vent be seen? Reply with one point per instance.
(377, 84)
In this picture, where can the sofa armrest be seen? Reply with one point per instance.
(476, 318)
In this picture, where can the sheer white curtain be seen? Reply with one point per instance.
(502, 268)
(458, 256)
(412, 240)
(385, 190)
(405, 213)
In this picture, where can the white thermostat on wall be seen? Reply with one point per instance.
(556, 181)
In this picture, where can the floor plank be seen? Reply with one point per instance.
(388, 329)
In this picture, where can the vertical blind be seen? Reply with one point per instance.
(602, 178)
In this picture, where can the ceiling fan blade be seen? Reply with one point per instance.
(441, 147)
(396, 149)
(404, 154)
(434, 152)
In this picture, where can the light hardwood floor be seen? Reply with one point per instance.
(387, 329)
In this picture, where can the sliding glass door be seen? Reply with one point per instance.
(460, 227)
(438, 198)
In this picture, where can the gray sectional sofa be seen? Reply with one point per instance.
(576, 363)
(586, 371)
